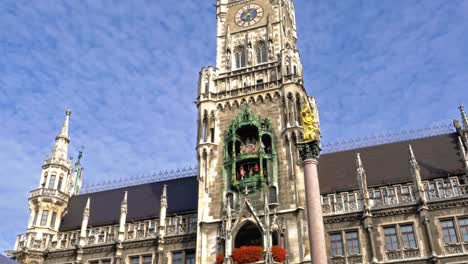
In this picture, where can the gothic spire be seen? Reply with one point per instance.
(84, 223)
(362, 181)
(123, 217)
(60, 150)
(463, 116)
(416, 175)
(64, 130)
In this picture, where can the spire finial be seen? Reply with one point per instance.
(164, 196)
(463, 116)
(124, 200)
(87, 208)
(412, 157)
(359, 166)
(64, 131)
(123, 205)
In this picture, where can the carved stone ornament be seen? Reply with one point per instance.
(309, 150)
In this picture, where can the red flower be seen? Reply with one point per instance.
(220, 258)
(247, 254)
(279, 254)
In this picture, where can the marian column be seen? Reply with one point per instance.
(309, 151)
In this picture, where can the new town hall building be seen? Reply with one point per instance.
(398, 202)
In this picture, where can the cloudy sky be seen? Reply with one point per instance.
(129, 71)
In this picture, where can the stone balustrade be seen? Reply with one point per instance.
(51, 193)
(394, 195)
(148, 229)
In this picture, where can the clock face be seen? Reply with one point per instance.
(249, 15)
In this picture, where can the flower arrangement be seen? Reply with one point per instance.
(279, 253)
(220, 258)
(247, 254)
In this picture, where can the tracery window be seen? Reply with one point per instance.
(240, 57)
(261, 52)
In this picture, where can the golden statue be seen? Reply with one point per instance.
(310, 124)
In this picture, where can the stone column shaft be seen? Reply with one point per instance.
(309, 152)
(314, 213)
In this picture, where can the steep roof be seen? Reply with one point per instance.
(143, 203)
(438, 156)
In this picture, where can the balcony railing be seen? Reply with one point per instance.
(52, 193)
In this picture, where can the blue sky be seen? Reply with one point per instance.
(129, 71)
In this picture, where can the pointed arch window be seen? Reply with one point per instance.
(261, 52)
(52, 182)
(240, 57)
(59, 187)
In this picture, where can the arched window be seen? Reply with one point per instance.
(52, 181)
(261, 52)
(240, 57)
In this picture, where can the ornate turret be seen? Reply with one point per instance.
(48, 203)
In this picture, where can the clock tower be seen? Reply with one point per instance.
(251, 187)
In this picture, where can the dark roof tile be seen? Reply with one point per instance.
(438, 156)
(143, 203)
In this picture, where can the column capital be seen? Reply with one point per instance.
(309, 150)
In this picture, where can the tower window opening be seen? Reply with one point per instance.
(45, 215)
(212, 134)
(43, 184)
(275, 238)
(266, 141)
(36, 215)
(261, 52)
(59, 187)
(204, 126)
(240, 57)
(248, 235)
(206, 88)
(295, 70)
(52, 221)
(52, 182)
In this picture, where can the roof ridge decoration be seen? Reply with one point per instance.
(387, 138)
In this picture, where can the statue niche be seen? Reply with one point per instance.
(250, 158)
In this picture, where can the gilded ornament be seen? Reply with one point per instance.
(310, 125)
